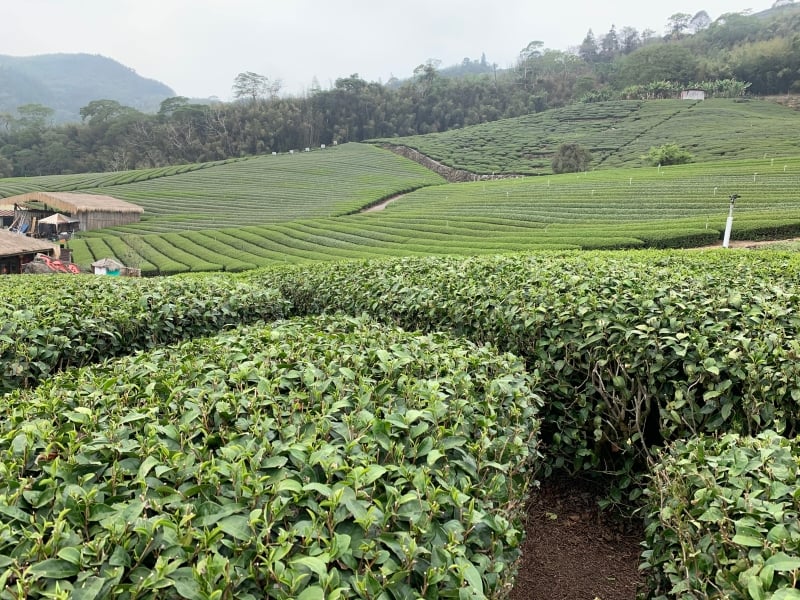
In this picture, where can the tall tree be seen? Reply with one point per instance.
(629, 40)
(588, 50)
(609, 45)
(677, 24)
(249, 85)
(699, 22)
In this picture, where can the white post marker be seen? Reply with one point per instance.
(729, 224)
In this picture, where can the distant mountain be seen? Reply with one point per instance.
(68, 82)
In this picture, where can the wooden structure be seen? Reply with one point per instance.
(18, 250)
(91, 211)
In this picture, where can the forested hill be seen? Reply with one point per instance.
(128, 122)
(67, 82)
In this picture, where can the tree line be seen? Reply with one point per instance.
(759, 54)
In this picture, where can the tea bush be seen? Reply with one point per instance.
(311, 459)
(723, 519)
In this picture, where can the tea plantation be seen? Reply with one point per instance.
(322, 403)
(255, 447)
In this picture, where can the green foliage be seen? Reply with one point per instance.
(668, 154)
(670, 207)
(722, 518)
(630, 348)
(570, 158)
(321, 458)
(617, 133)
(46, 325)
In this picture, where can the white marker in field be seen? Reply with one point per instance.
(729, 224)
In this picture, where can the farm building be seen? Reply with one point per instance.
(18, 250)
(107, 266)
(88, 211)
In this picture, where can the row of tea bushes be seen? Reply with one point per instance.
(723, 519)
(49, 323)
(630, 348)
(309, 459)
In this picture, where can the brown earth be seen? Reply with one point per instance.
(574, 551)
(745, 244)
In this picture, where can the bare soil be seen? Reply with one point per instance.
(382, 204)
(575, 551)
(746, 244)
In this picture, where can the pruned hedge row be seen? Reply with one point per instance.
(723, 519)
(310, 459)
(50, 323)
(631, 348)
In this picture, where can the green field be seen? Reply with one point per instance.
(681, 206)
(617, 134)
(301, 207)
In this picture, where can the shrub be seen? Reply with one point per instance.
(328, 457)
(668, 154)
(571, 158)
(723, 519)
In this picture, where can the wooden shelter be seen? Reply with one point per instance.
(91, 211)
(57, 223)
(18, 250)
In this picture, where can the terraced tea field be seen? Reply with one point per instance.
(263, 189)
(680, 206)
(307, 206)
(617, 134)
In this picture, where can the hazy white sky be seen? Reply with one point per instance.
(197, 47)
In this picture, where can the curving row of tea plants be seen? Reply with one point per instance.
(323, 458)
(659, 208)
(628, 352)
(617, 134)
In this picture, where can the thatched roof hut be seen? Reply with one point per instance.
(91, 210)
(17, 250)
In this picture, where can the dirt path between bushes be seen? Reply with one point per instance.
(382, 204)
(574, 551)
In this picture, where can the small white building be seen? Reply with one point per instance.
(693, 95)
(107, 266)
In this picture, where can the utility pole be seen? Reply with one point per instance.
(729, 224)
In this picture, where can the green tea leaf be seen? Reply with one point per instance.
(783, 562)
(755, 588)
(433, 456)
(746, 540)
(89, 589)
(313, 592)
(237, 526)
(312, 563)
(53, 568)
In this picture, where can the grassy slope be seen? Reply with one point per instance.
(277, 209)
(617, 208)
(617, 134)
